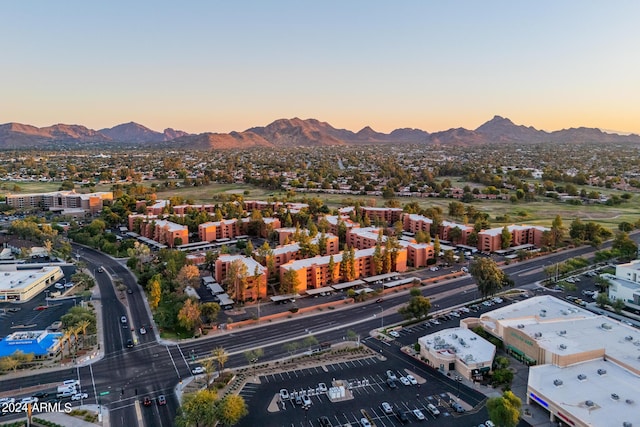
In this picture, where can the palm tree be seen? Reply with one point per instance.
(83, 325)
(220, 356)
(65, 338)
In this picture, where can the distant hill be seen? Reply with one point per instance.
(291, 133)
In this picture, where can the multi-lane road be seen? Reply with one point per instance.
(123, 376)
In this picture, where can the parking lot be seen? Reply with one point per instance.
(366, 388)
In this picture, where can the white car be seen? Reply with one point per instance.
(432, 408)
(405, 381)
(365, 422)
(71, 383)
(412, 379)
(80, 396)
(284, 394)
(198, 370)
(391, 375)
(489, 423)
(306, 400)
(322, 388)
(58, 286)
(27, 400)
(465, 310)
(6, 401)
(418, 414)
(455, 314)
(394, 334)
(143, 331)
(386, 408)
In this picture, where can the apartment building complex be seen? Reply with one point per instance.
(60, 201)
(251, 287)
(491, 240)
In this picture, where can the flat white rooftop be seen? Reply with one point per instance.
(17, 280)
(614, 393)
(464, 343)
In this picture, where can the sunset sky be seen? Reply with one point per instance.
(229, 65)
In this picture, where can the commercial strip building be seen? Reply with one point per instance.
(460, 350)
(22, 285)
(588, 365)
(42, 344)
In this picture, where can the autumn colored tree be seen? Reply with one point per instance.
(189, 315)
(155, 291)
(198, 409)
(230, 409)
(504, 411)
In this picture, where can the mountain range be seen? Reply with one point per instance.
(290, 133)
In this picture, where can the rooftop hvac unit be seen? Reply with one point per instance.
(606, 326)
(563, 347)
(538, 334)
(628, 338)
(589, 403)
(582, 377)
(615, 396)
(557, 383)
(627, 424)
(602, 371)
(629, 401)
(520, 326)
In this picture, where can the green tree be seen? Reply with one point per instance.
(602, 300)
(210, 311)
(198, 409)
(230, 409)
(504, 411)
(417, 308)
(436, 247)
(557, 231)
(448, 257)
(236, 279)
(506, 238)
(627, 248)
(618, 305)
(331, 266)
(290, 282)
(488, 276)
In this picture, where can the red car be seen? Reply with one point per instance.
(146, 401)
(41, 307)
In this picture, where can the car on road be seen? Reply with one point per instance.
(412, 379)
(365, 422)
(41, 394)
(435, 321)
(391, 375)
(41, 307)
(379, 300)
(162, 400)
(394, 334)
(71, 383)
(129, 343)
(403, 417)
(419, 415)
(284, 394)
(489, 423)
(199, 370)
(123, 319)
(7, 401)
(143, 331)
(27, 400)
(146, 401)
(405, 381)
(306, 400)
(386, 408)
(129, 291)
(80, 396)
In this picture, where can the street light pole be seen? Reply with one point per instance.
(381, 317)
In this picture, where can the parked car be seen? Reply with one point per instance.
(432, 408)
(419, 415)
(457, 407)
(394, 334)
(412, 379)
(386, 408)
(306, 400)
(365, 422)
(324, 422)
(405, 381)
(391, 375)
(322, 388)
(162, 400)
(298, 399)
(146, 401)
(392, 384)
(403, 417)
